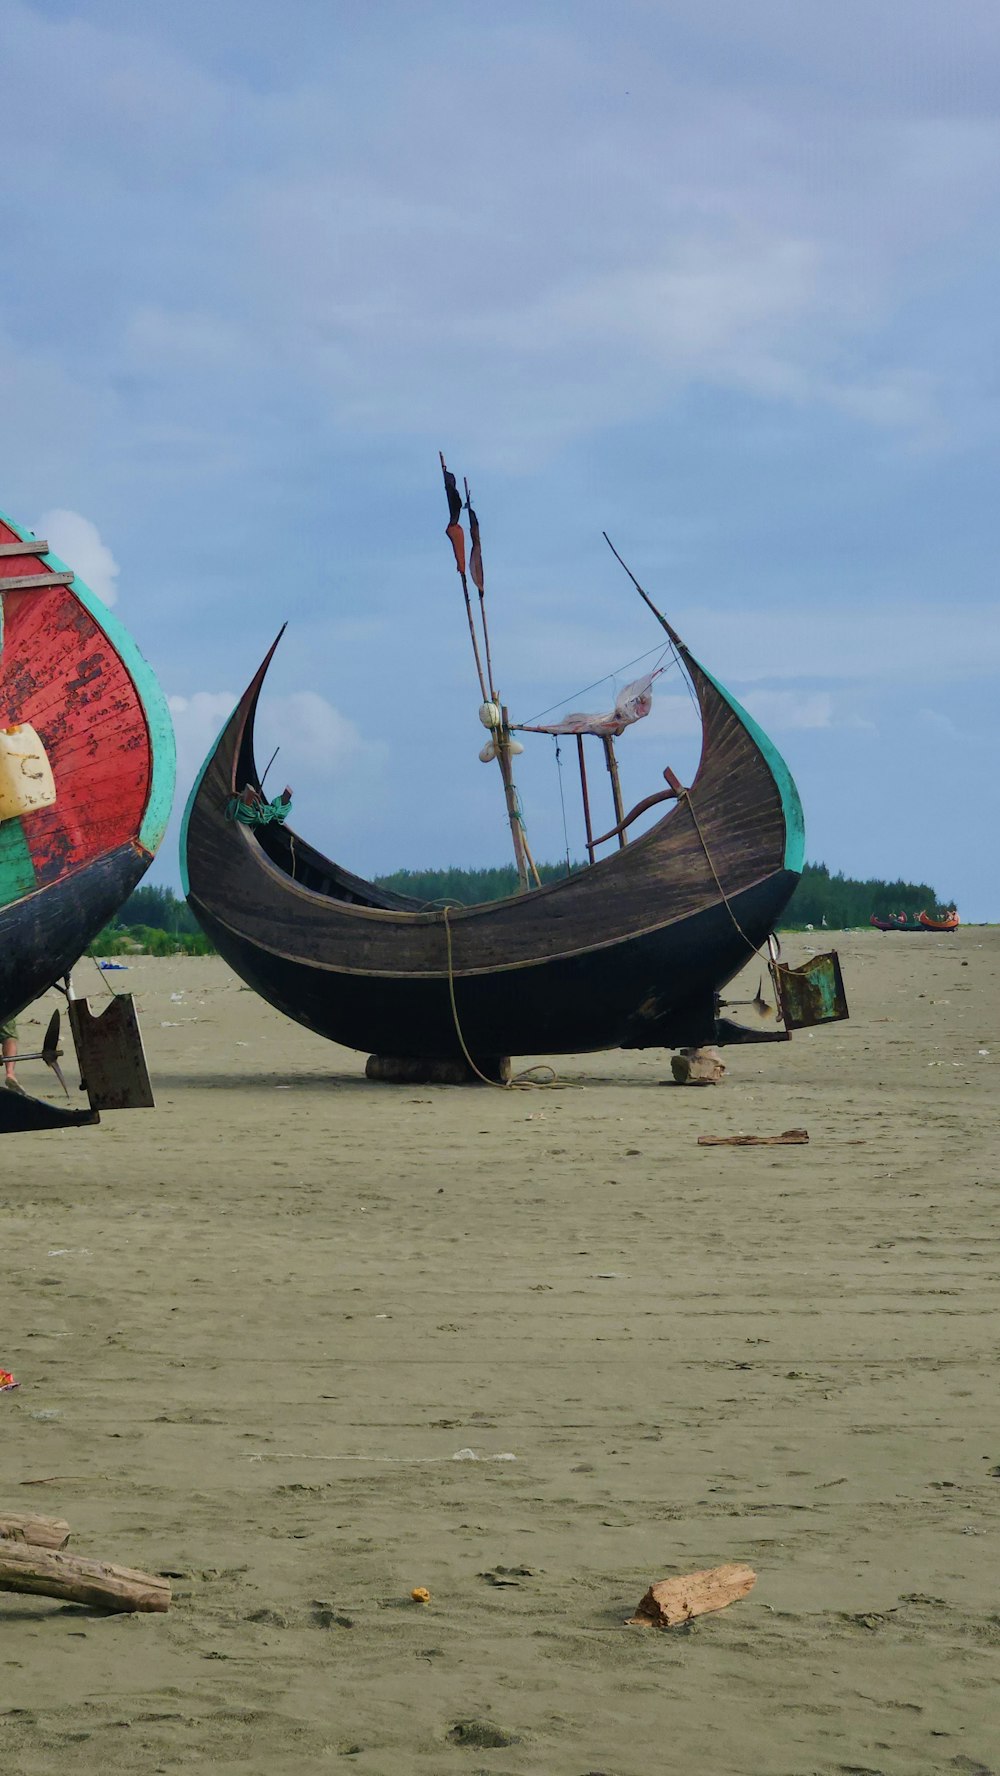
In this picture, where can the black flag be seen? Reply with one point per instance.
(476, 557)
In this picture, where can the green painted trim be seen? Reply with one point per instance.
(17, 871)
(196, 785)
(154, 704)
(791, 804)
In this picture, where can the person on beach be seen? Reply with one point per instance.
(8, 1038)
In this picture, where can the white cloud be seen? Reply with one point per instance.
(671, 716)
(715, 226)
(78, 542)
(779, 711)
(311, 733)
(317, 744)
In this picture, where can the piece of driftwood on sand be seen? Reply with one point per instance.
(40, 1532)
(24, 1567)
(674, 1601)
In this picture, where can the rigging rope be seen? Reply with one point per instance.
(754, 949)
(562, 802)
(608, 677)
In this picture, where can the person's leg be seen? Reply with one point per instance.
(8, 1034)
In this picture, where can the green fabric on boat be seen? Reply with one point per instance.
(261, 814)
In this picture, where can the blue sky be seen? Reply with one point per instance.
(719, 278)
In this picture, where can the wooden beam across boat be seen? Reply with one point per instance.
(35, 582)
(35, 547)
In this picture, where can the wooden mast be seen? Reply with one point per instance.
(500, 731)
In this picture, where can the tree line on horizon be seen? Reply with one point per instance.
(842, 901)
(160, 923)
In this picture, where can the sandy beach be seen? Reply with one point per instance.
(307, 1342)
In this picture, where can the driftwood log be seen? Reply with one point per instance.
(674, 1601)
(697, 1066)
(43, 1570)
(790, 1138)
(40, 1532)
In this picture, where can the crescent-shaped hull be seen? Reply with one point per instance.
(629, 952)
(73, 674)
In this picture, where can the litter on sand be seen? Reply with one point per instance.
(790, 1138)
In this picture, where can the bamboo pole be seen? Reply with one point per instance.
(48, 1573)
(586, 797)
(476, 566)
(531, 861)
(502, 743)
(501, 735)
(616, 789)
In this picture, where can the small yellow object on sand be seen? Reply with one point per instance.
(421, 1594)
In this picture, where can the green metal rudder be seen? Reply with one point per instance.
(154, 704)
(791, 804)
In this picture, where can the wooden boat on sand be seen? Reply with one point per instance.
(86, 778)
(628, 953)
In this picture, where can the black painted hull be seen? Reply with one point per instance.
(628, 953)
(912, 930)
(43, 935)
(24, 1115)
(655, 990)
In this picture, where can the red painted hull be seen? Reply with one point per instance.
(59, 671)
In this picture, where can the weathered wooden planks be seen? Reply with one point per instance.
(34, 582)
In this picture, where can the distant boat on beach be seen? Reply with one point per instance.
(922, 922)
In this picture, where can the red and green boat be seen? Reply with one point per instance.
(922, 922)
(86, 768)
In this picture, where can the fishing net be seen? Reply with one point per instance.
(632, 702)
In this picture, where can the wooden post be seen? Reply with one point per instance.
(586, 797)
(616, 788)
(41, 1532)
(44, 1571)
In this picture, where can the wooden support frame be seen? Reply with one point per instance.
(586, 797)
(616, 789)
